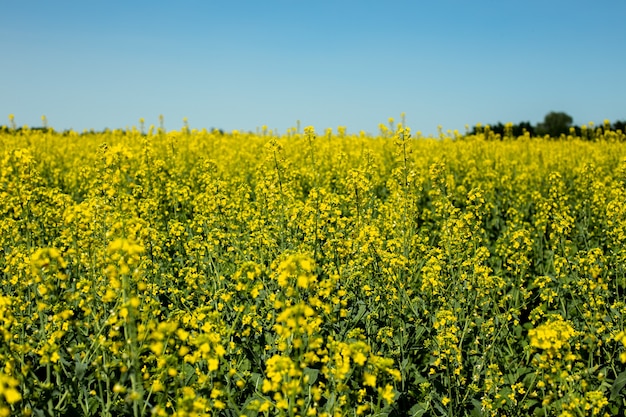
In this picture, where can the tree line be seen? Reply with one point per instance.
(554, 125)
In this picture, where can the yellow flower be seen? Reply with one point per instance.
(387, 393)
(369, 379)
(359, 358)
(621, 337)
(265, 406)
(157, 386)
(11, 395)
(213, 364)
(119, 388)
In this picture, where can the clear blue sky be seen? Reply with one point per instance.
(355, 63)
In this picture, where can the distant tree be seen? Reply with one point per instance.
(498, 129)
(555, 124)
(619, 125)
(522, 127)
(517, 130)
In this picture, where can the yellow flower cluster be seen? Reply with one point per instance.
(552, 335)
(195, 272)
(9, 394)
(621, 337)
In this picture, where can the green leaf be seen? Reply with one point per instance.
(256, 379)
(618, 385)
(417, 410)
(478, 407)
(442, 410)
(79, 370)
(330, 404)
(312, 374)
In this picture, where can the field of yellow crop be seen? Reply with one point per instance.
(194, 273)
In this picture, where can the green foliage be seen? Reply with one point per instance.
(555, 124)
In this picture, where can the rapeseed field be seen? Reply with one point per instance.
(194, 273)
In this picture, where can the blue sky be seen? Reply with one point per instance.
(244, 64)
